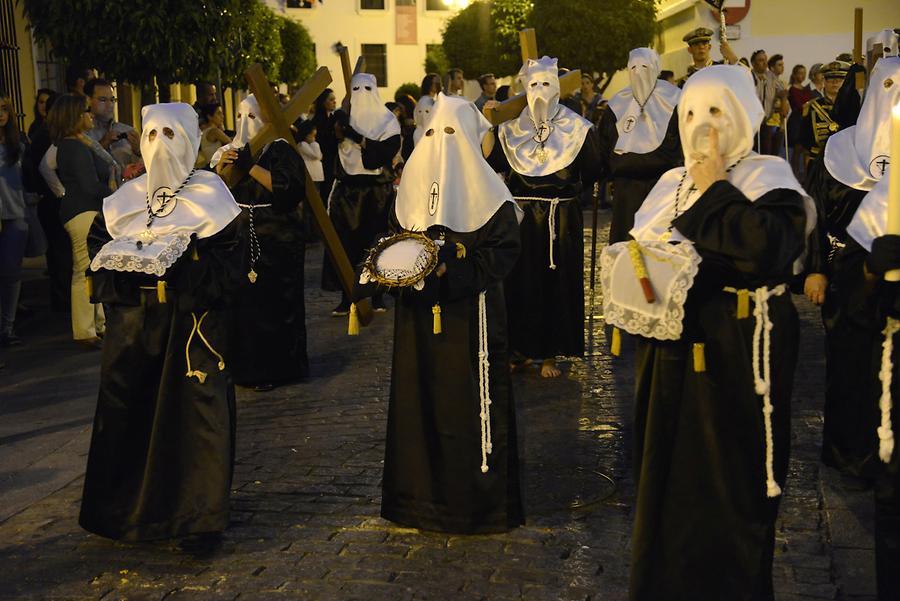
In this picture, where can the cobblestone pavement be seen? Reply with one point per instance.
(306, 495)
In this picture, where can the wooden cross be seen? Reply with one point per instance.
(512, 107)
(278, 125)
(348, 75)
(857, 47)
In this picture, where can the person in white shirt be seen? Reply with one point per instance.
(311, 152)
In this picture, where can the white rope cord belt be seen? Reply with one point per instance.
(551, 219)
(762, 379)
(484, 382)
(885, 403)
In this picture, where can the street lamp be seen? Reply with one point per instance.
(456, 4)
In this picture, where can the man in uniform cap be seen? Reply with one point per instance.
(698, 42)
(818, 118)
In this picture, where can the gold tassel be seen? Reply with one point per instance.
(353, 325)
(436, 311)
(196, 255)
(699, 357)
(743, 304)
(89, 285)
(616, 347)
(460, 250)
(161, 291)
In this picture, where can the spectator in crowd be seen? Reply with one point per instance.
(206, 94)
(324, 119)
(502, 94)
(799, 93)
(768, 89)
(89, 174)
(777, 121)
(59, 249)
(212, 128)
(454, 83)
(668, 76)
(311, 153)
(817, 80)
(118, 139)
(13, 227)
(431, 85)
(585, 102)
(77, 78)
(44, 96)
(699, 47)
(488, 85)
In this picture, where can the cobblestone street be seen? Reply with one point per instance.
(306, 492)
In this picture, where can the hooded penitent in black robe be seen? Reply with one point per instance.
(546, 306)
(633, 174)
(851, 326)
(269, 325)
(162, 447)
(432, 467)
(704, 525)
(359, 205)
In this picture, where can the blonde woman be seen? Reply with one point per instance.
(89, 174)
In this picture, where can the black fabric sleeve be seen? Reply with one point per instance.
(79, 164)
(208, 281)
(109, 287)
(380, 154)
(588, 159)
(492, 259)
(607, 136)
(288, 177)
(759, 238)
(497, 159)
(652, 164)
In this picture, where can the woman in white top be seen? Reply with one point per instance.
(311, 153)
(212, 125)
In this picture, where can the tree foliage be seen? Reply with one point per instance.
(299, 53)
(174, 40)
(591, 35)
(436, 59)
(483, 37)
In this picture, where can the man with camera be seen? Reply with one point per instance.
(119, 139)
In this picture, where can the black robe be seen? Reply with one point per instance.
(359, 205)
(546, 306)
(432, 466)
(162, 447)
(851, 326)
(704, 527)
(270, 315)
(633, 175)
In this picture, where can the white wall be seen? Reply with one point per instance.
(342, 20)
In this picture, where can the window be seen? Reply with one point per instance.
(371, 4)
(436, 5)
(376, 62)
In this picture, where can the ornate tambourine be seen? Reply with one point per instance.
(401, 260)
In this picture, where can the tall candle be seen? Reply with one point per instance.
(893, 209)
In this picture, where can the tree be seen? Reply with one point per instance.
(435, 59)
(173, 40)
(591, 35)
(483, 37)
(299, 53)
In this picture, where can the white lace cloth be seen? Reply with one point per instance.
(671, 269)
(153, 258)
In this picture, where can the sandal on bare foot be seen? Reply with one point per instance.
(549, 369)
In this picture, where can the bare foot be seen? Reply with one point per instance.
(549, 369)
(520, 365)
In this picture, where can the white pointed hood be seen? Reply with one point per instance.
(368, 115)
(204, 206)
(446, 180)
(248, 123)
(870, 220)
(644, 110)
(889, 41)
(547, 136)
(424, 108)
(730, 90)
(858, 156)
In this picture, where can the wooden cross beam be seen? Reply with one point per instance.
(512, 107)
(857, 47)
(348, 75)
(278, 125)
